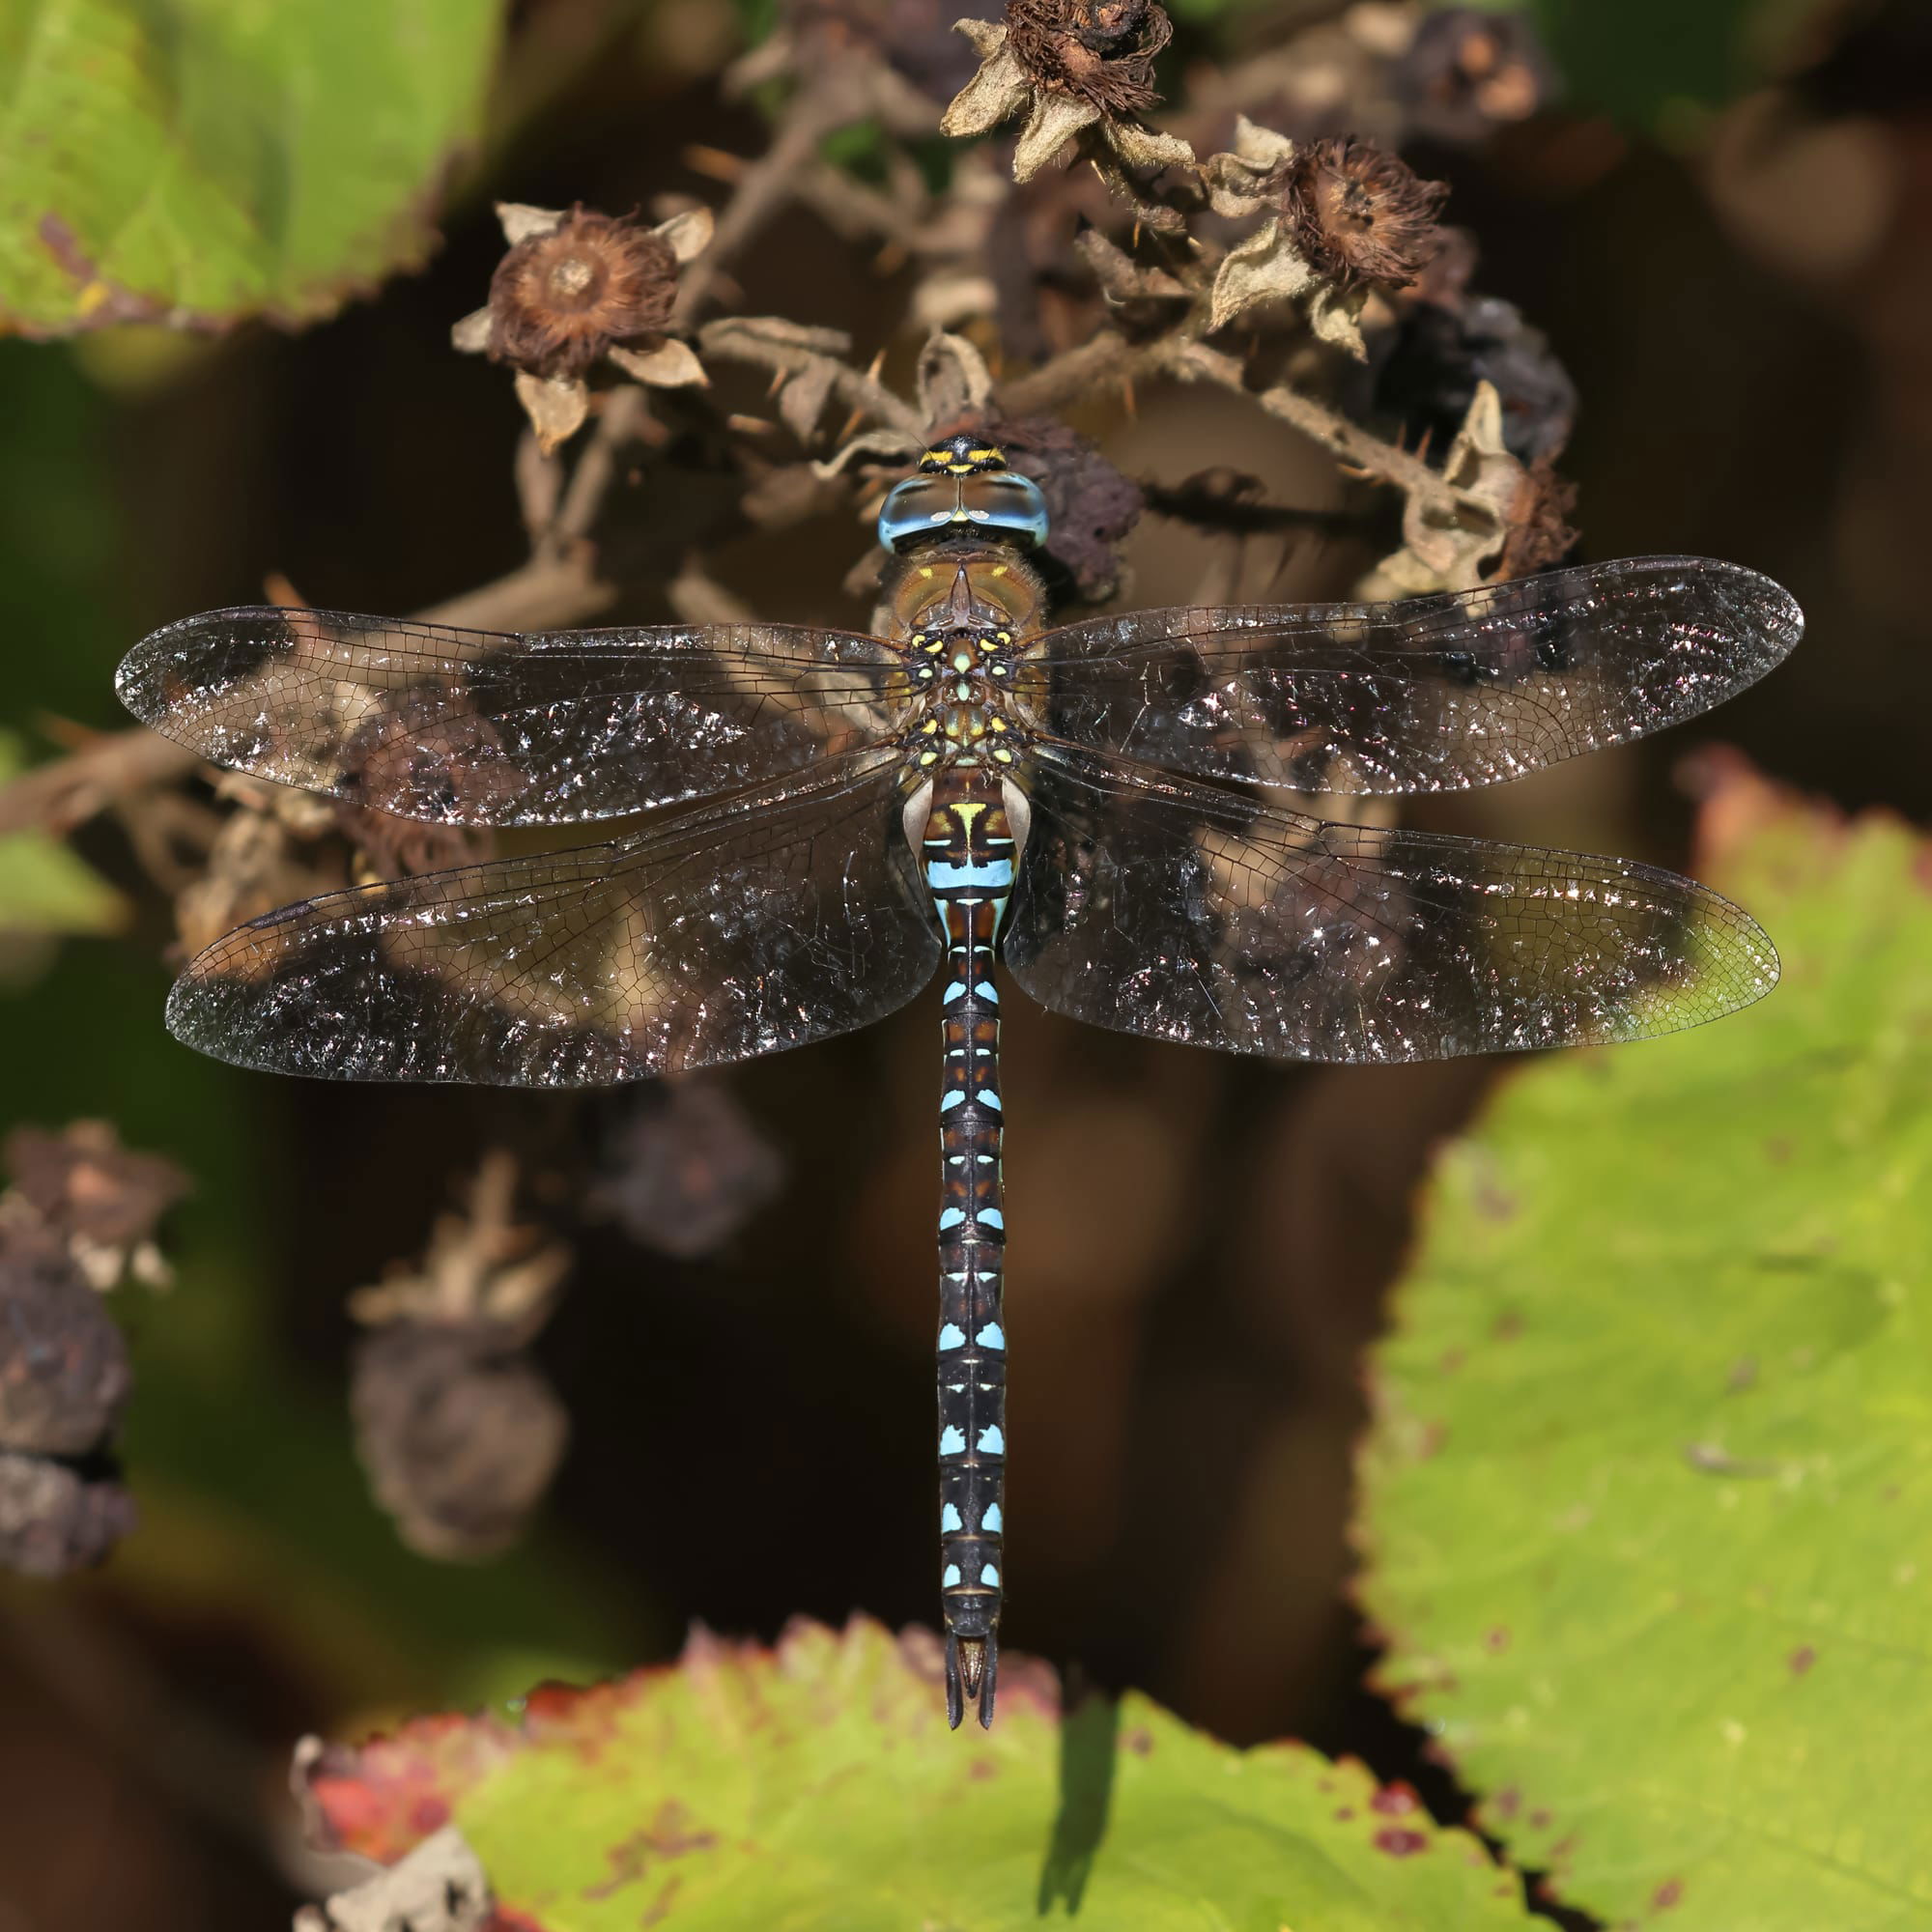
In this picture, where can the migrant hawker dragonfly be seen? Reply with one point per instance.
(1113, 807)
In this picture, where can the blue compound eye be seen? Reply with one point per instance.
(999, 500)
(916, 508)
(927, 506)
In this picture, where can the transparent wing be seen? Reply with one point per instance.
(737, 930)
(485, 727)
(1432, 694)
(1163, 906)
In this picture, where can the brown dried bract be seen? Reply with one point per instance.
(1097, 51)
(558, 301)
(1469, 69)
(1360, 215)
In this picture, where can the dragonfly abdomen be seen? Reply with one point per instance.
(968, 853)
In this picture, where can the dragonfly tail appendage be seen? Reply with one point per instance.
(972, 1677)
(969, 866)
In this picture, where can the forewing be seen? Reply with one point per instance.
(485, 727)
(737, 930)
(1164, 906)
(1432, 694)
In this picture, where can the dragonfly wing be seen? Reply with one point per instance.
(1432, 694)
(485, 727)
(736, 930)
(1164, 906)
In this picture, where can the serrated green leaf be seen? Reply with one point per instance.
(206, 161)
(818, 1786)
(1649, 1489)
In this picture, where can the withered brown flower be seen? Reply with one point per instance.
(558, 301)
(575, 287)
(1360, 215)
(1099, 51)
(1068, 66)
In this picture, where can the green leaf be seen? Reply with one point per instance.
(46, 890)
(202, 160)
(1649, 1489)
(818, 1786)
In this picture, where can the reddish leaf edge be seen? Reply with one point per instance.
(384, 1796)
(381, 1796)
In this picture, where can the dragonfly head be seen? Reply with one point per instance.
(963, 488)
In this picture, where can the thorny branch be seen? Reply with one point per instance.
(788, 350)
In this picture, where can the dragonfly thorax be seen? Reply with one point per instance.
(974, 587)
(961, 621)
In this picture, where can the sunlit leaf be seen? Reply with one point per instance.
(202, 162)
(817, 1786)
(1649, 1492)
(46, 889)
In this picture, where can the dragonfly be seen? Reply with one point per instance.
(1115, 809)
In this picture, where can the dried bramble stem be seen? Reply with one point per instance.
(1195, 361)
(1107, 358)
(624, 411)
(732, 340)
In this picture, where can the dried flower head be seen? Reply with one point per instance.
(688, 1167)
(1469, 69)
(558, 301)
(1441, 351)
(1099, 51)
(424, 780)
(459, 1432)
(575, 287)
(1068, 66)
(63, 1369)
(1360, 215)
(56, 1517)
(1540, 531)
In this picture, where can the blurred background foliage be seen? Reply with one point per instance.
(1720, 218)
